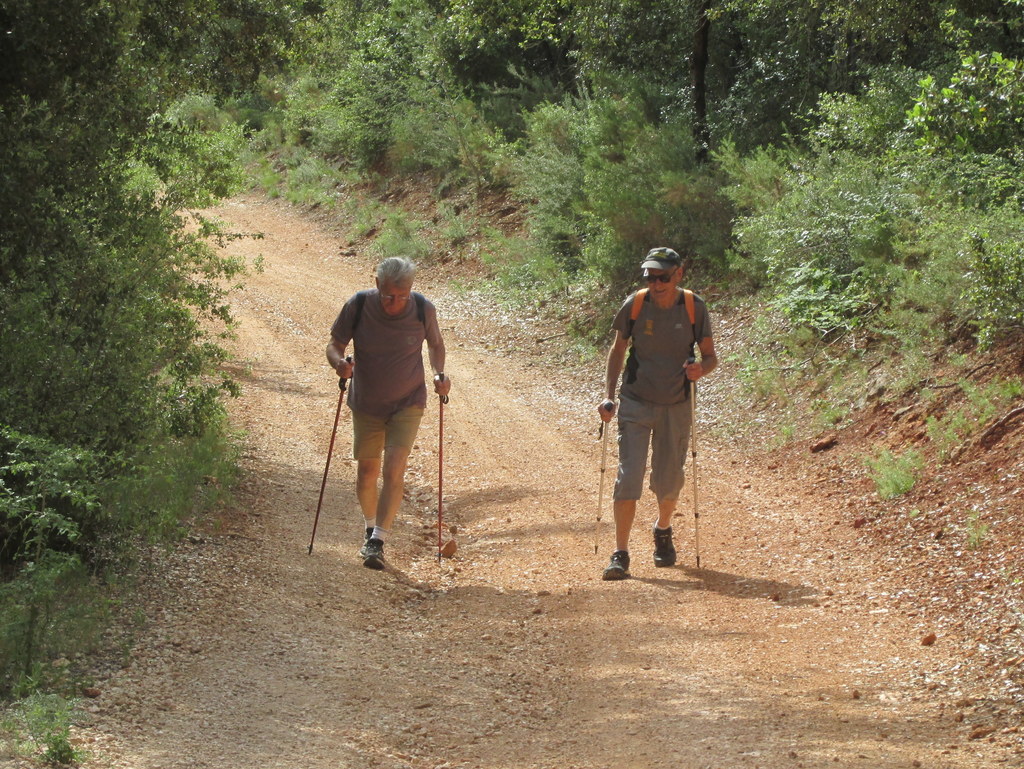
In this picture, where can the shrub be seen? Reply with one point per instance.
(995, 286)
(40, 726)
(894, 476)
(644, 188)
(980, 110)
(549, 179)
(832, 243)
(400, 236)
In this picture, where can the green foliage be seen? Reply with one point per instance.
(310, 180)
(643, 188)
(400, 236)
(981, 110)
(976, 530)
(378, 77)
(995, 286)
(894, 475)
(50, 495)
(550, 180)
(39, 726)
(66, 515)
(449, 139)
(830, 242)
(50, 611)
(112, 299)
(953, 429)
(871, 123)
(507, 56)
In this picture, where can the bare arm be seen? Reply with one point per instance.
(436, 354)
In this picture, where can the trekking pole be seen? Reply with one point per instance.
(600, 490)
(693, 467)
(442, 399)
(327, 466)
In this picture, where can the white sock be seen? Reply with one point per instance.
(378, 533)
(658, 528)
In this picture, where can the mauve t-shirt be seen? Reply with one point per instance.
(388, 374)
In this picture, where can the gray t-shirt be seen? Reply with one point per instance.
(662, 340)
(388, 374)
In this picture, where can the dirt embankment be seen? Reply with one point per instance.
(789, 648)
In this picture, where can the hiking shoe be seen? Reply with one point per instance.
(664, 550)
(618, 567)
(373, 554)
(369, 533)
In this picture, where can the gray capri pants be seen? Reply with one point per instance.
(670, 428)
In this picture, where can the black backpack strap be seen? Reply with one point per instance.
(360, 300)
(421, 307)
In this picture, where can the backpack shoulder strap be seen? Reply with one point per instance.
(638, 303)
(690, 308)
(360, 300)
(421, 307)
(634, 311)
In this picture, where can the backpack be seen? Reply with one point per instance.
(634, 312)
(360, 297)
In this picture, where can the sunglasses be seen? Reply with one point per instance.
(665, 278)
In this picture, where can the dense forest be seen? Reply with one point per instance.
(854, 169)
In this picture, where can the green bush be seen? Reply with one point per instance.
(995, 286)
(39, 726)
(644, 188)
(980, 110)
(400, 236)
(549, 179)
(894, 475)
(871, 123)
(449, 139)
(68, 515)
(832, 244)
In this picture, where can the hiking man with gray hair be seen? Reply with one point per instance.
(659, 326)
(388, 325)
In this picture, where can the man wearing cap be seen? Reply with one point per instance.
(654, 397)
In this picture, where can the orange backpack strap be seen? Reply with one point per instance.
(634, 310)
(638, 303)
(690, 309)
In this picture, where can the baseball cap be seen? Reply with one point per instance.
(661, 259)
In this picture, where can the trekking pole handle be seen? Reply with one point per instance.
(438, 378)
(342, 380)
(607, 407)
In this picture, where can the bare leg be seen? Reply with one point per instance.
(625, 512)
(396, 458)
(666, 508)
(367, 473)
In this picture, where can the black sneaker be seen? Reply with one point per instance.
(369, 533)
(664, 550)
(373, 554)
(618, 567)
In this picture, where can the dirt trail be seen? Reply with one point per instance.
(784, 651)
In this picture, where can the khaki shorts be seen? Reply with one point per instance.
(372, 434)
(664, 431)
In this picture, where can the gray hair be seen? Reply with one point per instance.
(396, 271)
